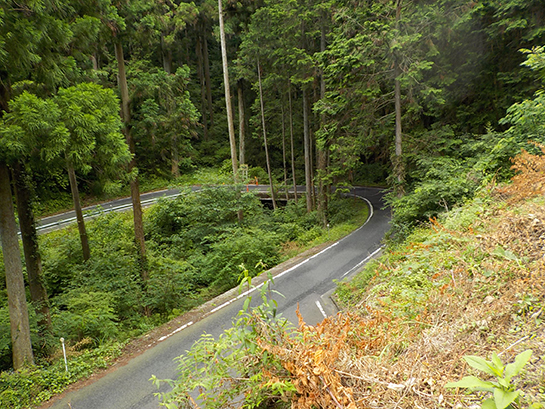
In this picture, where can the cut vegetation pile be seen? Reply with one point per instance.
(457, 289)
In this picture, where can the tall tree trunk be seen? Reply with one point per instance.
(200, 72)
(399, 170)
(241, 124)
(15, 285)
(29, 236)
(175, 156)
(174, 152)
(306, 141)
(166, 53)
(229, 109)
(284, 151)
(135, 188)
(208, 79)
(321, 148)
(312, 167)
(265, 135)
(292, 145)
(94, 61)
(79, 213)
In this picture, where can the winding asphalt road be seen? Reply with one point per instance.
(307, 282)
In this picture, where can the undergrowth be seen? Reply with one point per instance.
(34, 385)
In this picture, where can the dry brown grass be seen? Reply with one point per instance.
(529, 180)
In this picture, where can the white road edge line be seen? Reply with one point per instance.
(363, 261)
(175, 331)
(321, 308)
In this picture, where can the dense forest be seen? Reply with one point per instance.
(428, 98)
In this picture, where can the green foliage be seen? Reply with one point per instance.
(232, 365)
(193, 219)
(341, 211)
(81, 313)
(441, 182)
(205, 177)
(33, 123)
(535, 59)
(60, 251)
(525, 118)
(248, 247)
(164, 116)
(32, 386)
(172, 285)
(90, 113)
(504, 393)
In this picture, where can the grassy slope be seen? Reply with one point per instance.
(471, 283)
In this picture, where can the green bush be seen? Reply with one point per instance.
(222, 265)
(61, 253)
(172, 285)
(32, 386)
(81, 313)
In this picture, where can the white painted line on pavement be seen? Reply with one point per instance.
(175, 331)
(321, 308)
(365, 260)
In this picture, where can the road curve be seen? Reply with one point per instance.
(307, 283)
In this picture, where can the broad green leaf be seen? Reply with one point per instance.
(515, 367)
(504, 383)
(489, 404)
(482, 365)
(504, 398)
(472, 382)
(496, 361)
(246, 304)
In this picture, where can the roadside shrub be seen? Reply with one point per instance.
(172, 285)
(193, 218)
(32, 386)
(61, 252)
(116, 274)
(85, 314)
(222, 265)
(341, 210)
(310, 235)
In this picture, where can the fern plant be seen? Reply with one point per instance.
(505, 396)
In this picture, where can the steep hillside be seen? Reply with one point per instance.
(469, 284)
